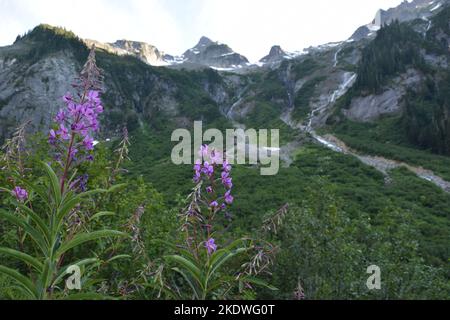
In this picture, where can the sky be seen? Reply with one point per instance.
(250, 27)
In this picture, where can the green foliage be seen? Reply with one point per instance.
(325, 251)
(305, 68)
(426, 118)
(46, 40)
(395, 48)
(203, 274)
(386, 138)
(304, 96)
(318, 250)
(47, 231)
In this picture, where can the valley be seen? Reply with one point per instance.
(364, 177)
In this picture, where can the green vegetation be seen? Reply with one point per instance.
(304, 96)
(47, 40)
(361, 197)
(425, 124)
(337, 217)
(426, 118)
(395, 48)
(386, 138)
(305, 68)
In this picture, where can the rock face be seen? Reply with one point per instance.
(366, 109)
(29, 93)
(144, 51)
(275, 54)
(406, 11)
(214, 54)
(372, 107)
(302, 91)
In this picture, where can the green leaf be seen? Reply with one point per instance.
(54, 183)
(39, 222)
(22, 257)
(259, 282)
(34, 234)
(101, 214)
(70, 201)
(86, 237)
(88, 296)
(118, 257)
(43, 282)
(189, 266)
(20, 279)
(224, 258)
(192, 285)
(80, 263)
(117, 187)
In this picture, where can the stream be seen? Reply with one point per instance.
(379, 163)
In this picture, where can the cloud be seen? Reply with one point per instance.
(250, 27)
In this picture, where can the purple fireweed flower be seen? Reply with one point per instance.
(227, 181)
(228, 197)
(20, 194)
(210, 246)
(88, 143)
(73, 153)
(78, 120)
(63, 132)
(60, 117)
(215, 157)
(94, 97)
(214, 204)
(226, 166)
(208, 169)
(197, 177)
(67, 98)
(198, 166)
(80, 184)
(204, 151)
(52, 137)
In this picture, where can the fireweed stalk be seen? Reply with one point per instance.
(214, 185)
(72, 138)
(61, 224)
(202, 261)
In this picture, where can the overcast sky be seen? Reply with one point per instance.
(250, 27)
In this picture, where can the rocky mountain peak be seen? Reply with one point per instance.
(214, 54)
(406, 11)
(204, 41)
(142, 50)
(275, 54)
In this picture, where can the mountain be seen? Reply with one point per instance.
(277, 54)
(325, 85)
(406, 11)
(364, 134)
(206, 53)
(297, 89)
(214, 54)
(144, 51)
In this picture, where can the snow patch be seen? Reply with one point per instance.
(436, 7)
